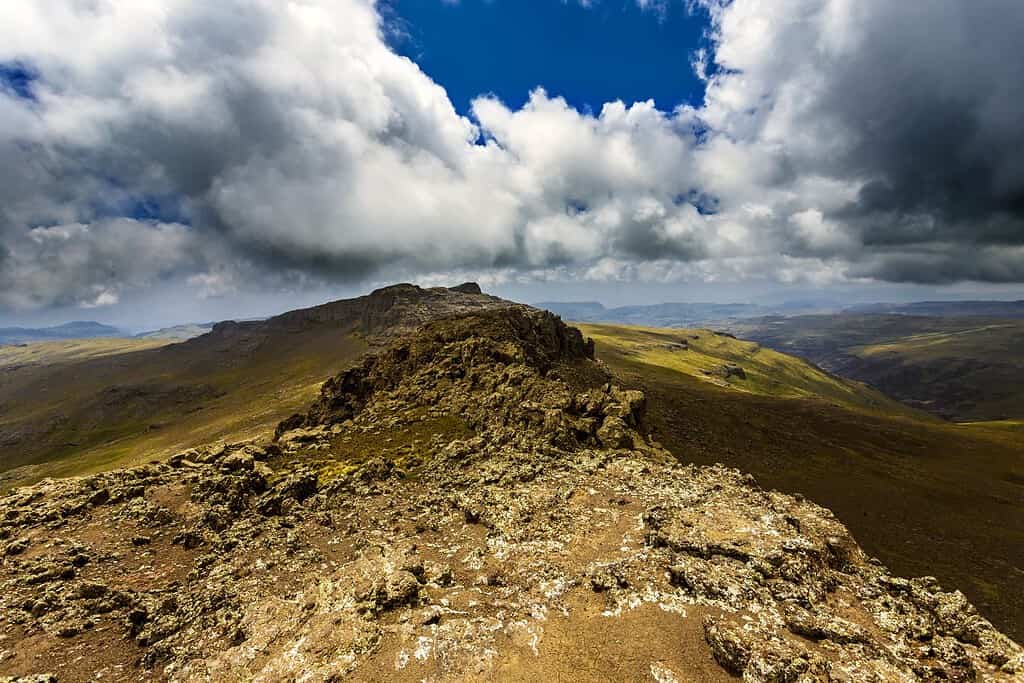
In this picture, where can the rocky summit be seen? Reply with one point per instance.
(477, 501)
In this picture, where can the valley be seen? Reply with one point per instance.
(925, 496)
(961, 368)
(452, 420)
(488, 496)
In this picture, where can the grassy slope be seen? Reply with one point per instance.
(926, 497)
(968, 369)
(41, 353)
(96, 404)
(767, 372)
(991, 385)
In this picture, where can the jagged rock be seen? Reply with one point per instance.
(238, 461)
(16, 547)
(822, 626)
(442, 512)
(299, 485)
(467, 288)
(614, 433)
(606, 577)
(729, 645)
(402, 588)
(727, 371)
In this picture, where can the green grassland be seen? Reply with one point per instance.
(962, 368)
(927, 497)
(76, 407)
(702, 353)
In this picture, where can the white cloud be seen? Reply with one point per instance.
(300, 147)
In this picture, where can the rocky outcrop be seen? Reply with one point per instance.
(479, 501)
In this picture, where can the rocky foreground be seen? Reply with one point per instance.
(476, 502)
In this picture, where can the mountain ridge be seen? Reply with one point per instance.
(82, 329)
(478, 500)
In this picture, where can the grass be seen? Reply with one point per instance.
(700, 353)
(964, 369)
(74, 350)
(78, 407)
(925, 496)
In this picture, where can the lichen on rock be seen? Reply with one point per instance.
(479, 500)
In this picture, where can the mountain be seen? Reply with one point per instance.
(478, 499)
(983, 309)
(178, 332)
(960, 367)
(725, 361)
(73, 330)
(923, 495)
(69, 413)
(655, 315)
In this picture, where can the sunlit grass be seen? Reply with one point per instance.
(702, 353)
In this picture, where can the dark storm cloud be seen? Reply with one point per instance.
(934, 102)
(245, 144)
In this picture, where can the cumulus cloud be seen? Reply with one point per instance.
(904, 114)
(250, 143)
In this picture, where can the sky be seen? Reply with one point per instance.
(168, 161)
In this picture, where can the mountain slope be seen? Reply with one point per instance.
(73, 330)
(474, 502)
(725, 361)
(73, 414)
(986, 309)
(925, 496)
(962, 368)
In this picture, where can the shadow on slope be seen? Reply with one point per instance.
(926, 497)
(67, 413)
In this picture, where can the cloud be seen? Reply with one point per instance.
(276, 143)
(89, 264)
(907, 110)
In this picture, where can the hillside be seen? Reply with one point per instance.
(925, 496)
(68, 412)
(655, 315)
(475, 501)
(721, 359)
(977, 309)
(961, 368)
(178, 332)
(74, 330)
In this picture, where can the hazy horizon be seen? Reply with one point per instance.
(243, 158)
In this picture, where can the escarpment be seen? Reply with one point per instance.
(477, 501)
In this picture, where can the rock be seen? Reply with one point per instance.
(16, 547)
(188, 539)
(298, 485)
(99, 497)
(606, 577)
(467, 288)
(727, 371)
(614, 433)
(402, 588)
(345, 568)
(238, 461)
(818, 626)
(729, 646)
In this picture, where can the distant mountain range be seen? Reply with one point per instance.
(710, 314)
(655, 315)
(73, 330)
(986, 309)
(178, 332)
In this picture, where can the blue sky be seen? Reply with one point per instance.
(611, 50)
(240, 157)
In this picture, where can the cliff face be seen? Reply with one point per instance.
(475, 502)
